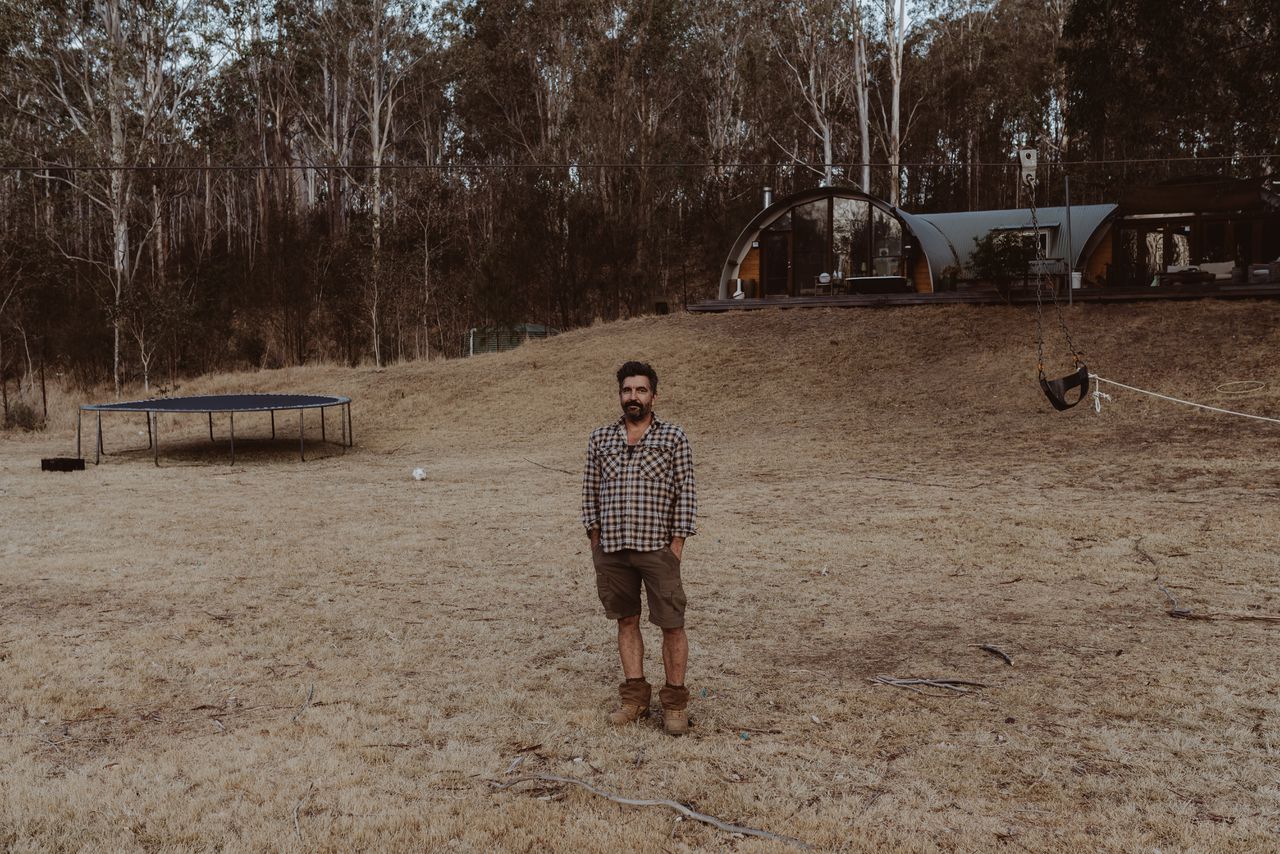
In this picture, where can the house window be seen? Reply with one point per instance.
(887, 245)
(810, 232)
(851, 228)
(840, 237)
(1037, 240)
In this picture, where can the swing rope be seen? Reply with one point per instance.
(1098, 395)
(1056, 390)
(1043, 284)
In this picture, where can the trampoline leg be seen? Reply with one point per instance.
(322, 436)
(273, 424)
(233, 438)
(351, 435)
(79, 412)
(210, 414)
(149, 436)
(97, 454)
(156, 444)
(302, 452)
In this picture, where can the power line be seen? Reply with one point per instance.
(468, 167)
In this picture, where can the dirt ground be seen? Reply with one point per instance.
(333, 656)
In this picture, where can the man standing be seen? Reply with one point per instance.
(638, 506)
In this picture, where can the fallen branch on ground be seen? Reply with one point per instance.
(548, 468)
(920, 482)
(305, 703)
(1142, 553)
(995, 650)
(1176, 610)
(957, 685)
(756, 730)
(647, 802)
(297, 828)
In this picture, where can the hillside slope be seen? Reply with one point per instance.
(870, 373)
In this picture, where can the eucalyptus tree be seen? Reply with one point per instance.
(519, 69)
(813, 42)
(1151, 79)
(722, 35)
(428, 200)
(897, 21)
(106, 85)
(954, 125)
(387, 56)
(861, 84)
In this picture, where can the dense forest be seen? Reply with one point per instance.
(191, 186)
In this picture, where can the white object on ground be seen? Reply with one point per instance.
(419, 474)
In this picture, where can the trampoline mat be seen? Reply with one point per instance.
(222, 403)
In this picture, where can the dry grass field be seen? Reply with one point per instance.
(332, 656)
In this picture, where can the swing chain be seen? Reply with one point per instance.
(1041, 284)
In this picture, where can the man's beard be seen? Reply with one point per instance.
(635, 411)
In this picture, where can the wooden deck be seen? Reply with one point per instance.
(983, 297)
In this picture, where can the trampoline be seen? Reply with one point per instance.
(223, 403)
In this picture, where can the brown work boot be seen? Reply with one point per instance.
(635, 694)
(675, 709)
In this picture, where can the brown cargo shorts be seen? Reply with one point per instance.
(618, 578)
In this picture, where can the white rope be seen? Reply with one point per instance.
(1098, 395)
(1249, 387)
(1097, 404)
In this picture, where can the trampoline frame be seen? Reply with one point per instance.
(154, 406)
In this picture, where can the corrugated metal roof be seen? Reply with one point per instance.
(937, 247)
(948, 239)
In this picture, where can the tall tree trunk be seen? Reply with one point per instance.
(895, 37)
(975, 176)
(375, 271)
(121, 180)
(861, 94)
(426, 292)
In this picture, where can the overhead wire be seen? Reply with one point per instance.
(463, 167)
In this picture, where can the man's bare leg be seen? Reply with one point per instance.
(631, 647)
(635, 692)
(674, 696)
(675, 654)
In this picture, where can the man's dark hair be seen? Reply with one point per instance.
(638, 369)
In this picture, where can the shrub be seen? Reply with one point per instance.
(23, 416)
(1002, 258)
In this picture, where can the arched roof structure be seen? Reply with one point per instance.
(949, 238)
(934, 249)
(777, 210)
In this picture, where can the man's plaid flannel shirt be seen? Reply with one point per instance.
(639, 497)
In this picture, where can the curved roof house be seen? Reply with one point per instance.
(949, 238)
(825, 240)
(833, 240)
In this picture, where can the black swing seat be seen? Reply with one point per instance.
(1057, 390)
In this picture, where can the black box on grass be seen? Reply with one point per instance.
(62, 464)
